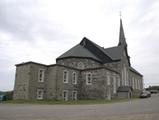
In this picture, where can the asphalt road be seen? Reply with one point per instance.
(147, 109)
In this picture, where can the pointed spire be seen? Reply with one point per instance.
(122, 40)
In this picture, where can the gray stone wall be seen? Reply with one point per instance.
(136, 81)
(61, 86)
(100, 89)
(27, 79)
(34, 83)
(21, 86)
(73, 62)
(51, 85)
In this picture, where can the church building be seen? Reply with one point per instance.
(86, 71)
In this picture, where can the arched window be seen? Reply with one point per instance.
(74, 78)
(80, 65)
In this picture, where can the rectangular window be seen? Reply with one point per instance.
(114, 84)
(74, 95)
(133, 82)
(118, 79)
(108, 80)
(41, 75)
(88, 79)
(65, 76)
(65, 95)
(40, 94)
(74, 78)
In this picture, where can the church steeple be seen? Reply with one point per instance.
(122, 40)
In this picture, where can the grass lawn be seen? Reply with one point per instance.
(60, 102)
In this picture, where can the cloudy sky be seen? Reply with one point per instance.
(41, 30)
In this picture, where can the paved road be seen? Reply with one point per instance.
(147, 109)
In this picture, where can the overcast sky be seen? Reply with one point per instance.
(41, 30)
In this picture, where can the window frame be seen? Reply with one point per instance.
(65, 98)
(65, 80)
(74, 78)
(114, 85)
(89, 82)
(41, 75)
(74, 96)
(40, 96)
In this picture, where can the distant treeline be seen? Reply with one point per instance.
(153, 88)
(8, 94)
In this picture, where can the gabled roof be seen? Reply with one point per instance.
(87, 49)
(79, 51)
(114, 52)
(135, 71)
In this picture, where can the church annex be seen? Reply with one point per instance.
(86, 71)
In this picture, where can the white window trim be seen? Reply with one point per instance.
(74, 81)
(43, 74)
(74, 97)
(40, 97)
(87, 83)
(65, 81)
(65, 98)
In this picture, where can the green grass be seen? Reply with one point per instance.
(60, 102)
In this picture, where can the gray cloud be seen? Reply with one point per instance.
(26, 22)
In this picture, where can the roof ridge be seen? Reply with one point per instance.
(83, 42)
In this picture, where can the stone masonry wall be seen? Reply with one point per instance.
(21, 87)
(74, 62)
(34, 83)
(100, 89)
(61, 86)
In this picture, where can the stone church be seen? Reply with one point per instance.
(86, 71)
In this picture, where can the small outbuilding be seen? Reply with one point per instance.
(124, 92)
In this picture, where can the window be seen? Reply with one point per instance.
(133, 82)
(74, 95)
(65, 76)
(89, 79)
(118, 80)
(114, 84)
(74, 78)
(65, 95)
(41, 75)
(40, 94)
(108, 78)
(80, 65)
